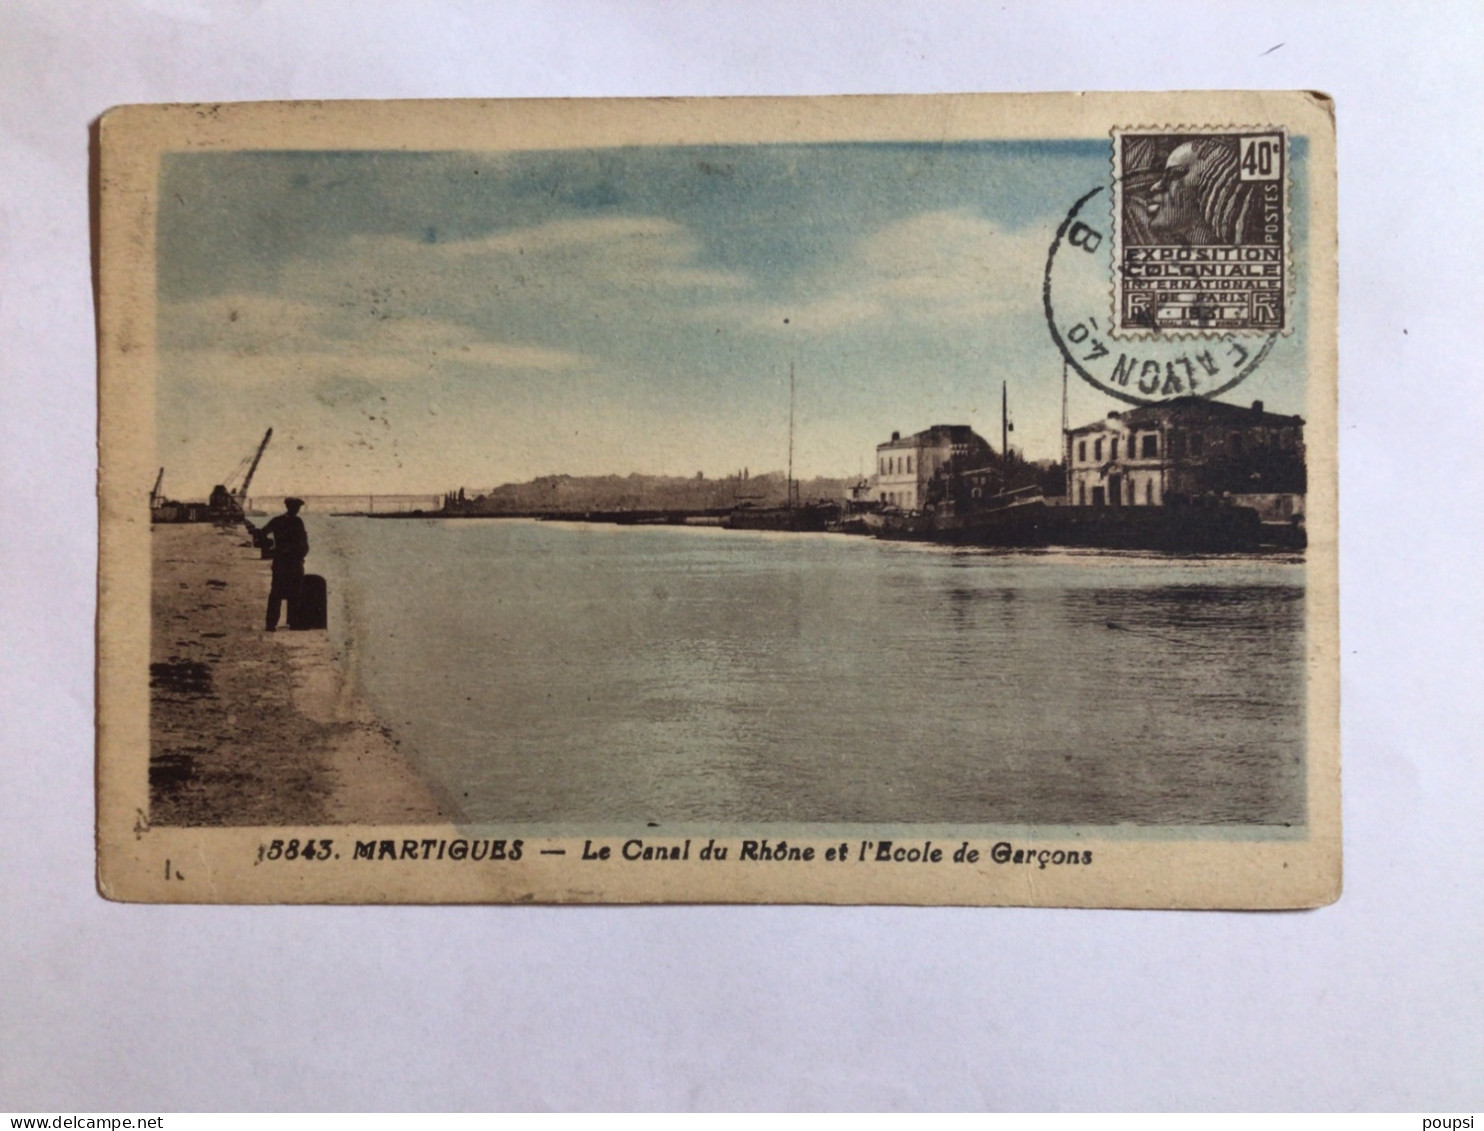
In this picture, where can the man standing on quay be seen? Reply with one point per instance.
(285, 540)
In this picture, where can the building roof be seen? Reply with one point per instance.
(1195, 410)
(937, 434)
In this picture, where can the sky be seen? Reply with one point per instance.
(412, 322)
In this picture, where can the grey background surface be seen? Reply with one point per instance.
(1377, 1002)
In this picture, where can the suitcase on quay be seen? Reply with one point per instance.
(311, 609)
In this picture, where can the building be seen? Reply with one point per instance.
(1187, 449)
(905, 467)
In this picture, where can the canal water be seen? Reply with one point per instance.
(550, 673)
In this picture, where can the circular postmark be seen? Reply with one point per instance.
(1077, 294)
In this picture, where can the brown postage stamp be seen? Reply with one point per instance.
(922, 500)
(1201, 232)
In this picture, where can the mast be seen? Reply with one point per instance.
(790, 493)
(1005, 424)
(154, 492)
(253, 467)
(1066, 440)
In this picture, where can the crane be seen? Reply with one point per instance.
(230, 502)
(241, 492)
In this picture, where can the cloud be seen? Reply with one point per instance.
(946, 268)
(430, 339)
(254, 338)
(573, 258)
(360, 365)
(549, 298)
(650, 237)
(649, 249)
(242, 323)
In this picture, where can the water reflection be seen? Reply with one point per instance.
(590, 673)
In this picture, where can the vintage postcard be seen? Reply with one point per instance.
(922, 500)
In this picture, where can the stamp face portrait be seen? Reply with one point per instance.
(882, 500)
(1201, 232)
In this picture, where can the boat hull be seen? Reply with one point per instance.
(1187, 529)
(1194, 530)
(1020, 521)
(803, 519)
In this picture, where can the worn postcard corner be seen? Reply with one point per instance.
(920, 500)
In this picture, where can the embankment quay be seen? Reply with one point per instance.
(1214, 528)
(249, 727)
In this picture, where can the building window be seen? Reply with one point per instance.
(909, 465)
(1082, 494)
(1149, 492)
(1151, 445)
(1197, 443)
(1097, 451)
(1177, 444)
(1081, 451)
(1234, 444)
(1113, 448)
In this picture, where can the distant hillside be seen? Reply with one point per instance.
(577, 493)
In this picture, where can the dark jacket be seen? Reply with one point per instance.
(289, 541)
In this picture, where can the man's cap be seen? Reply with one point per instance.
(292, 503)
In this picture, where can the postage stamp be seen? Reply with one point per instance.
(1201, 230)
(923, 500)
